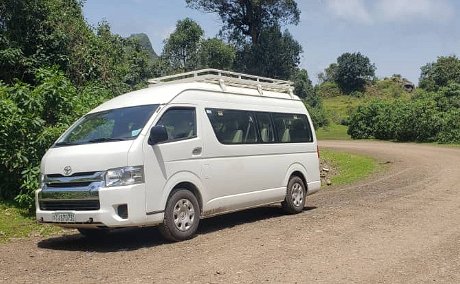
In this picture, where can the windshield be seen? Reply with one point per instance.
(110, 125)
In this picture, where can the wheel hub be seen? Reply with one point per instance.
(297, 194)
(184, 214)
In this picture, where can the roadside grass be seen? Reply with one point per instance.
(333, 132)
(18, 223)
(349, 167)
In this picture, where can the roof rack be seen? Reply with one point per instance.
(227, 78)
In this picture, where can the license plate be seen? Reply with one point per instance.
(64, 217)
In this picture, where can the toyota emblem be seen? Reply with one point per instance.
(67, 171)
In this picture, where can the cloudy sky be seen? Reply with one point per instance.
(399, 36)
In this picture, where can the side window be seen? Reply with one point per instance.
(180, 123)
(233, 126)
(266, 131)
(292, 128)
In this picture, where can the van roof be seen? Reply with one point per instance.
(165, 93)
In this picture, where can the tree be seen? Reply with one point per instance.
(248, 18)
(439, 74)
(214, 53)
(31, 36)
(54, 68)
(181, 48)
(329, 74)
(35, 34)
(277, 55)
(353, 72)
(303, 87)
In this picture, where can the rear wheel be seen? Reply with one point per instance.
(294, 201)
(182, 216)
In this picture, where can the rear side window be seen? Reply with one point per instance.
(266, 130)
(233, 126)
(292, 128)
(179, 123)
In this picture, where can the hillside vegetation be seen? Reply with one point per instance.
(390, 109)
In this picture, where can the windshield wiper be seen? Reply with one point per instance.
(66, 143)
(106, 139)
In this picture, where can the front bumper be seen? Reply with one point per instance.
(107, 215)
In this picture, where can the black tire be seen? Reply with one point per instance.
(93, 233)
(182, 216)
(294, 201)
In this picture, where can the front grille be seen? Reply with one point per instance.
(79, 192)
(68, 184)
(77, 205)
(72, 175)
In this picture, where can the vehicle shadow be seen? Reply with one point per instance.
(129, 239)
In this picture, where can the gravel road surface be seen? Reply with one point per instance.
(399, 226)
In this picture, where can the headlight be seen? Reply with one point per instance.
(124, 176)
(42, 180)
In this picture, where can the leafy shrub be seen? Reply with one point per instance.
(363, 121)
(450, 127)
(31, 119)
(318, 116)
(426, 117)
(328, 89)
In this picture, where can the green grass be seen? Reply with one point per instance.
(17, 223)
(337, 109)
(340, 107)
(333, 132)
(350, 167)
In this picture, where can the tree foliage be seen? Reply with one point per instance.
(248, 18)
(186, 50)
(439, 74)
(426, 117)
(214, 53)
(329, 74)
(277, 55)
(353, 71)
(54, 68)
(31, 118)
(38, 34)
(303, 88)
(181, 48)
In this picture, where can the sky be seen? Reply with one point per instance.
(398, 36)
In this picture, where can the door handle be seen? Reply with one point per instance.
(197, 151)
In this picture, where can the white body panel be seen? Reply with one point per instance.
(226, 177)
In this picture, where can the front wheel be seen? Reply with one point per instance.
(294, 201)
(182, 216)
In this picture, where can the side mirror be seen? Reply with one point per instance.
(158, 134)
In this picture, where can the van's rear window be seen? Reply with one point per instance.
(110, 125)
(249, 127)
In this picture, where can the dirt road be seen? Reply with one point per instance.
(401, 226)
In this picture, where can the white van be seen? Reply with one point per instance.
(190, 146)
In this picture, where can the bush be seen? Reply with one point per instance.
(31, 119)
(318, 116)
(426, 117)
(450, 127)
(363, 121)
(328, 89)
